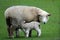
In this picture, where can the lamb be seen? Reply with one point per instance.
(26, 27)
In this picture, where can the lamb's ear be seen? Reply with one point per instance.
(49, 14)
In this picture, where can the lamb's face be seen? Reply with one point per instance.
(44, 16)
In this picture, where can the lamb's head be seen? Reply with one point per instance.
(43, 16)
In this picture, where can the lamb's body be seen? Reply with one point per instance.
(32, 25)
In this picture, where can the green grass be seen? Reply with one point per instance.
(50, 31)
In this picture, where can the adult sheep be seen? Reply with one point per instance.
(26, 13)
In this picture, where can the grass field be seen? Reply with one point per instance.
(50, 31)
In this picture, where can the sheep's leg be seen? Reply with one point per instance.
(27, 33)
(10, 28)
(10, 32)
(17, 32)
(38, 31)
(30, 33)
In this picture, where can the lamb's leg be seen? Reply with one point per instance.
(38, 31)
(27, 33)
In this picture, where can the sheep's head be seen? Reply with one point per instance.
(43, 16)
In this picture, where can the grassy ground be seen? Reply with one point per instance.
(50, 31)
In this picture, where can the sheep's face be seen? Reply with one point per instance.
(44, 16)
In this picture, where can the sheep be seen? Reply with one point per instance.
(32, 25)
(25, 13)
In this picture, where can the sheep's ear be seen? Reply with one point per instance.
(49, 14)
